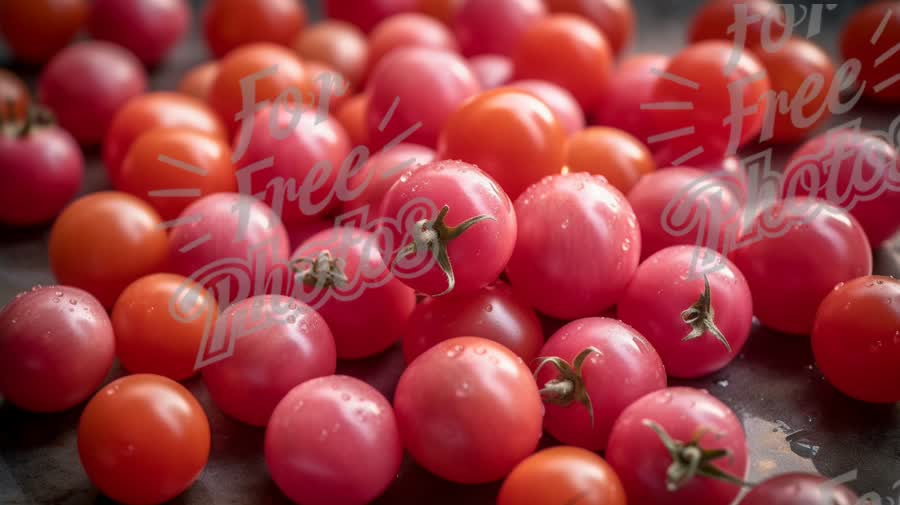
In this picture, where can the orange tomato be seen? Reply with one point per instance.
(228, 24)
(338, 44)
(198, 80)
(609, 152)
(615, 18)
(352, 116)
(442, 10)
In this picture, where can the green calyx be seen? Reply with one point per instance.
(322, 271)
(699, 317)
(568, 387)
(35, 116)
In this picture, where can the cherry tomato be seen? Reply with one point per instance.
(690, 421)
(510, 134)
(463, 218)
(352, 116)
(299, 233)
(36, 29)
(581, 371)
(366, 13)
(731, 172)
(494, 313)
(631, 86)
(799, 489)
(408, 30)
(760, 22)
(568, 50)
(198, 80)
(143, 439)
(563, 104)
(278, 343)
(562, 475)
(338, 44)
(56, 347)
(443, 10)
(615, 18)
(442, 82)
(104, 241)
(333, 441)
(14, 97)
(609, 152)
(787, 288)
(858, 41)
(326, 87)
(578, 245)
(695, 332)
(855, 170)
(449, 389)
(491, 70)
(495, 27)
(148, 28)
(108, 76)
(380, 172)
(159, 321)
(856, 338)
(229, 24)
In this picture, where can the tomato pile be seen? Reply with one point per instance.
(451, 178)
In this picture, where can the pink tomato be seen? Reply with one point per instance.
(560, 101)
(367, 187)
(631, 86)
(491, 70)
(494, 27)
(148, 28)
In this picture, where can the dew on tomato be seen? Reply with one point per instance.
(148, 28)
(229, 24)
(495, 27)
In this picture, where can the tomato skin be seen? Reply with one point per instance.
(563, 104)
(856, 338)
(799, 489)
(625, 354)
(365, 14)
(197, 81)
(788, 289)
(291, 345)
(713, 20)
(561, 475)
(630, 86)
(13, 89)
(447, 389)
(408, 30)
(510, 134)
(442, 10)
(592, 229)
(363, 450)
(53, 374)
(609, 152)
(103, 241)
(148, 28)
(299, 233)
(377, 176)
(352, 115)
(143, 439)
(491, 70)
(228, 24)
(494, 313)
(495, 27)
(615, 18)
(336, 43)
(36, 29)
(856, 43)
(640, 459)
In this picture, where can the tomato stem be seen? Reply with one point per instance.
(324, 270)
(700, 317)
(568, 387)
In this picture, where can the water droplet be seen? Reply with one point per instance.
(879, 282)
(73, 301)
(897, 337)
(298, 406)
(292, 306)
(723, 383)
(810, 367)
(838, 286)
(323, 435)
(454, 351)
(58, 294)
(463, 390)
(579, 186)
(626, 245)
(345, 397)
(488, 308)
(129, 449)
(480, 350)
(564, 224)
(666, 397)
(291, 319)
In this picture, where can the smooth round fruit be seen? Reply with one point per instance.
(299, 233)
(858, 42)
(495, 27)
(365, 14)
(36, 29)
(369, 185)
(615, 18)
(143, 439)
(229, 24)
(563, 104)
(442, 10)
(104, 241)
(760, 22)
(449, 389)
(408, 30)
(352, 115)
(326, 87)
(630, 86)
(614, 154)
(799, 489)
(148, 28)
(336, 43)
(491, 70)
(14, 97)
(56, 347)
(198, 80)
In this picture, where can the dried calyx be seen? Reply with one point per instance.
(322, 271)
(568, 387)
(699, 317)
(35, 116)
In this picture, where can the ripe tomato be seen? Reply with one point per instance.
(104, 241)
(855, 170)
(491, 70)
(333, 441)
(56, 347)
(325, 85)
(456, 230)
(228, 24)
(615, 18)
(380, 172)
(578, 245)
(143, 439)
(494, 313)
(366, 13)
(762, 21)
(36, 29)
(108, 76)
(299, 233)
(599, 367)
(856, 338)
(495, 27)
(609, 152)
(442, 82)
(160, 321)
(799, 489)
(695, 331)
(568, 50)
(508, 133)
(562, 475)
(338, 44)
(352, 116)
(787, 288)
(13, 91)
(275, 344)
(858, 41)
(198, 80)
(442, 10)
(631, 86)
(408, 30)
(449, 389)
(563, 104)
(153, 110)
(148, 28)
(693, 425)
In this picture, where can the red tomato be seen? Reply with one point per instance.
(614, 154)
(160, 321)
(696, 333)
(491, 70)
(13, 91)
(858, 41)
(104, 241)
(56, 347)
(799, 489)
(691, 421)
(630, 86)
(352, 116)
(143, 439)
(278, 343)
(787, 288)
(562, 475)
(299, 233)
(326, 87)
(36, 29)
(229, 24)
(495, 27)
(148, 28)
(198, 80)
(563, 104)
(108, 76)
(368, 186)
(589, 371)
(568, 50)
(760, 22)
(510, 134)
(463, 218)
(408, 30)
(731, 171)
(442, 82)
(494, 313)
(578, 245)
(856, 338)
(338, 44)
(443, 10)
(615, 18)
(449, 389)
(333, 441)
(366, 13)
